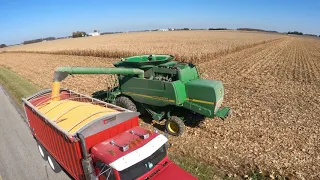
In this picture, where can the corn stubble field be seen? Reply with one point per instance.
(271, 81)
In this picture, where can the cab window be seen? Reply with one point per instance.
(144, 166)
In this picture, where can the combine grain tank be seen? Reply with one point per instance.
(91, 139)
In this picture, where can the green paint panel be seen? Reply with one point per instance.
(205, 93)
(144, 61)
(187, 73)
(180, 92)
(151, 92)
(223, 113)
(198, 108)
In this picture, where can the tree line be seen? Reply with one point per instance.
(79, 34)
(300, 33)
(83, 34)
(295, 32)
(212, 29)
(260, 30)
(38, 40)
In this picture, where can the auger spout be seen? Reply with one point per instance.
(62, 72)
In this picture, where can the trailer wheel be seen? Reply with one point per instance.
(43, 152)
(174, 126)
(126, 103)
(53, 164)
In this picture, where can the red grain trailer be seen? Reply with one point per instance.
(91, 139)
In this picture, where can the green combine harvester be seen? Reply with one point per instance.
(160, 86)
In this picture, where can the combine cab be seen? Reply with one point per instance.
(162, 87)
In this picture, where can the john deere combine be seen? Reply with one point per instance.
(159, 85)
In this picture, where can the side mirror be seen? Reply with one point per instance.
(166, 134)
(167, 145)
(98, 164)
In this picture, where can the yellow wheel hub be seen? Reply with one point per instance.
(173, 127)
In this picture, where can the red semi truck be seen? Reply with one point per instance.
(91, 139)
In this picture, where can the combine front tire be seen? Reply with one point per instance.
(174, 126)
(126, 103)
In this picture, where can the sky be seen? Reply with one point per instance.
(31, 19)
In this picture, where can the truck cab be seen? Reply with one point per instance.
(135, 154)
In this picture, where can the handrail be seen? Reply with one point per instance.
(45, 100)
(69, 98)
(50, 97)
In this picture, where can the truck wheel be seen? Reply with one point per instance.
(43, 152)
(126, 103)
(174, 126)
(53, 164)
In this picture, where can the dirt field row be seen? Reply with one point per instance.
(273, 89)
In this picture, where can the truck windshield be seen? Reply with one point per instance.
(143, 166)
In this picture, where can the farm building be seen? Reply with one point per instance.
(163, 29)
(95, 33)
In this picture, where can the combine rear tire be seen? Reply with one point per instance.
(126, 103)
(174, 126)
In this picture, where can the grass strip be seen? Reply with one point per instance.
(17, 86)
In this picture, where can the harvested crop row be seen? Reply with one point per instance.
(39, 69)
(272, 89)
(276, 115)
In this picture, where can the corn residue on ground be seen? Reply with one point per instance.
(272, 88)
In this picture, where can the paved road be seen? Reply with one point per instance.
(19, 156)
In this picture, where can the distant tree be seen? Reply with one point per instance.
(271, 31)
(186, 29)
(78, 34)
(249, 29)
(39, 40)
(3, 45)
(217, 28)
(196, 29)
(295, 32)
(49, 38)
(311, 35)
